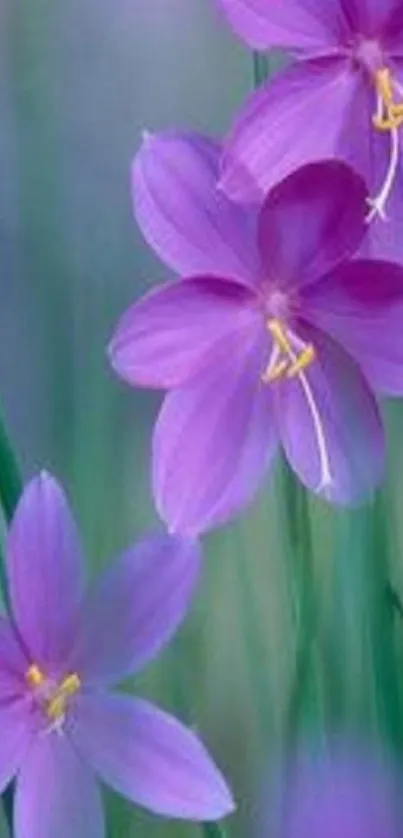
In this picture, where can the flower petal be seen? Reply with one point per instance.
(44, 566)
(340, 453)
(296, 118)
(361, 306)
(346, 789)
(16, 736)
(379, 18)
(392, 31)
(13, 662)
(56, 793)
(135, 607)
(310, 222)
(214, 439)
(163, 339)
(307, 26)
(192, 226)
(384, 239)
(150, 758)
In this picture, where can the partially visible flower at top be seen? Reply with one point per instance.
(351, 790)
(341, 97)
(61, 724)
(271, 337)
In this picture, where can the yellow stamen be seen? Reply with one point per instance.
(393, 116)
(276, 372)
(298, 356)
(388, 124)
(293, 363)
(279, 335)
(303, 361)
(384, 85)
(57, 705)
(34, 676)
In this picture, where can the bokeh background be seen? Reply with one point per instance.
(293, 628)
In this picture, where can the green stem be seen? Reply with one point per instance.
(261, 68)
(214, 830)
(296, 525)
(393, 599)
(10, 490)
(10, 478)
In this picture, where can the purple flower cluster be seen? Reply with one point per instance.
(282, 328)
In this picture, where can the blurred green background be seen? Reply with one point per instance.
(292, 628)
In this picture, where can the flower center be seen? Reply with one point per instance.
(290, 358)
(387, 118)
(52, 697)
(284, 361)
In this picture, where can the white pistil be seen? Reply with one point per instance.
(274, 359)
(326, 479)
(285, 341)
(388, 118)
(57, 726)
(378, 203)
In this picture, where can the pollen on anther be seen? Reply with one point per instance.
(56, 707)
(35, 676)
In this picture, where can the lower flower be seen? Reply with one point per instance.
(62, 723)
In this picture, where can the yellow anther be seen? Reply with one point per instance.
(71, 684)
(303, 361)
(392, 117)
(279, 336)
(56, 707)
(389, 124)
(293, 363)
(34, 676)
(383, 82)
(276, 372)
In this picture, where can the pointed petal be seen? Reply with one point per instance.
(310, 27)
(16, 736)
(13, 662)
(135, 607)
(150, 758)
(392, 30)
(378, 19)
(361, 306)
(164, 339)
(310, 101)
(44, 566)
(310, 222)
(56, 793)
(192, 226)
(384, 239)
(214, 439)
(342, 457)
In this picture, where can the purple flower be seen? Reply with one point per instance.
(350, 791)
(61, 722)
(341, 97)
(267, 338)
